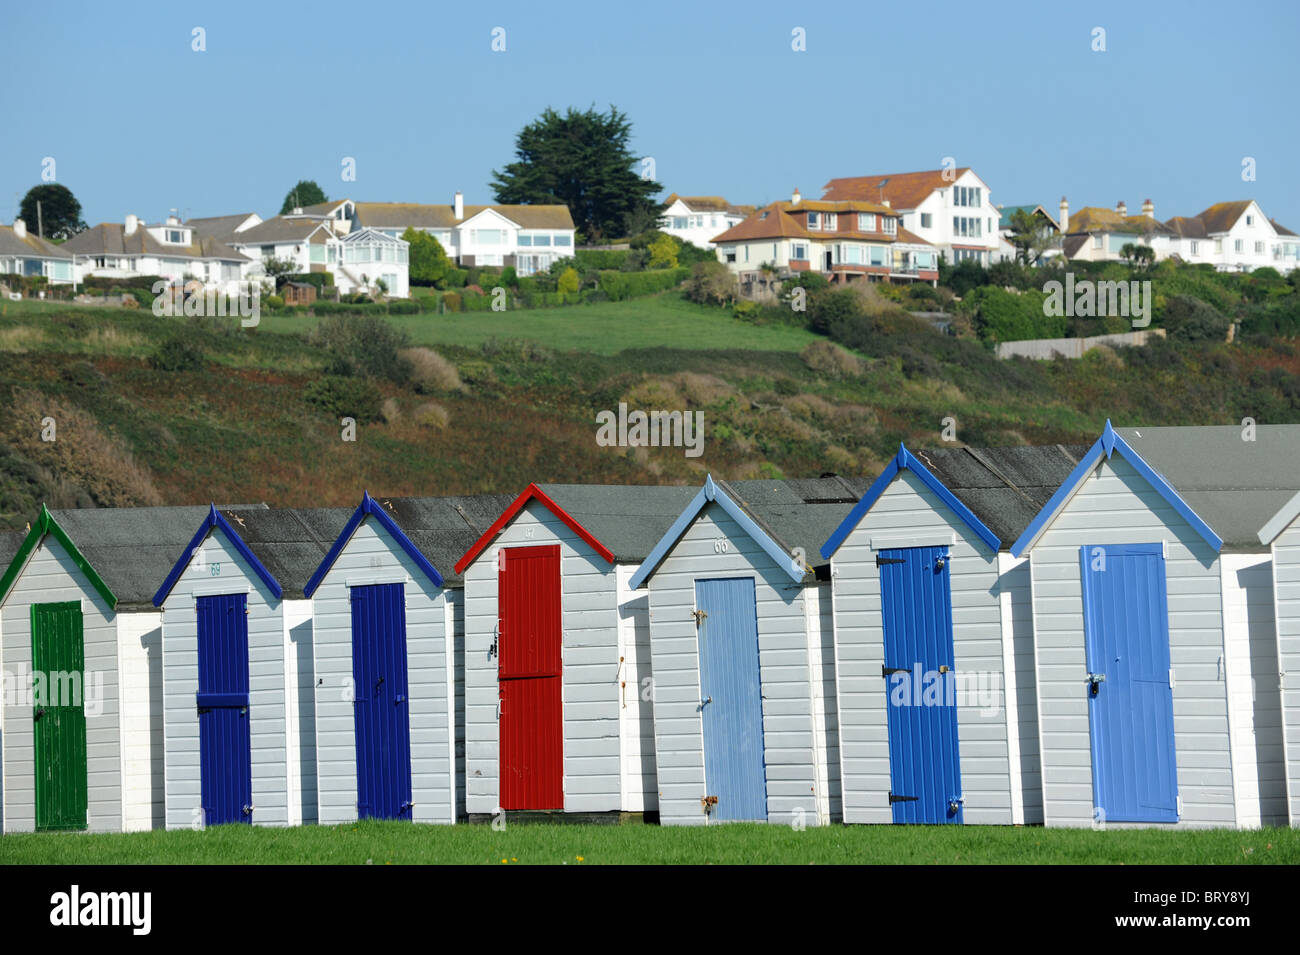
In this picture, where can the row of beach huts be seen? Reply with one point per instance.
(1060, 635)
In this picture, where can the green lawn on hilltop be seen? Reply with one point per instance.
(397, 843)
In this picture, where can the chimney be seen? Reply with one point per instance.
(132, 223)
(886, 204)
(20, 228)
(1065, 215)
(459, 206)
(1121, 207)
(297, 210)
(794, 199)
(173, 220)
(1148, 208)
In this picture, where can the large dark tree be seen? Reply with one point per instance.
(60, 212)
(581, 160)
(306, 193)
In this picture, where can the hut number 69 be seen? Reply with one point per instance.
(720, 546)
(215, 569)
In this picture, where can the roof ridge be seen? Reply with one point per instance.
(979, 456)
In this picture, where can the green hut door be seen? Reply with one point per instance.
(58, 716)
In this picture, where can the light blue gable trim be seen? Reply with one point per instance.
(712, 493)
(905, 460)
(214, 521)
(1110, 442)
(368, 507)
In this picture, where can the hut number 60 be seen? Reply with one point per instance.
(720, 546)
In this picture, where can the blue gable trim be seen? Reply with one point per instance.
(368, 507)
(904, 460)
(214, 521)
(1110, 442)
(712, 493)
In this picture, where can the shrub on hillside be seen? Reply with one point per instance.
(624, 285)
(831, 360)
(1189, 319)
(451, 301)
(430, 371)
(1002, 316)
(365, 344)
(177, 354)
(345, 398)
(711, 283)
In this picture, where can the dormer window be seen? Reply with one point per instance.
(891, 225)
(830, 221)
(175, 236)
(866, 222)
(814, 220)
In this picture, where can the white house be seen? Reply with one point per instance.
(330, 241)
(697, 219)
(949, 208)
(22, 253)
(528, 237)
(168, 249)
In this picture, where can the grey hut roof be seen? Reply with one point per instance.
(289, 542)
(799, 512)
(629, 519)
(1004, 487)
(444, 528)
(132, 548)
(10, 542)
(1235, 486)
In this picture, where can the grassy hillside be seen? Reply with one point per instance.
(511, 398)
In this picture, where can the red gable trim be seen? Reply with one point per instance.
(533, 493)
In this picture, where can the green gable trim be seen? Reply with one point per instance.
(46, 524)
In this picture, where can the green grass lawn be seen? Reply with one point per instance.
(602, 328)
(382, 843)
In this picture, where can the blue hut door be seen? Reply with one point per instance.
(381, 708)
(1129, 683)
(920, 685)
(225, 740)
(731, 701)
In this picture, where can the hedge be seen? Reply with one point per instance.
(600, 259)
(624, 285)
(318, 279)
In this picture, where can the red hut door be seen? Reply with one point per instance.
(528, 654)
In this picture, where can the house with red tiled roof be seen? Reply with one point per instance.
(845, 240)
(697, 219)
(949, 208)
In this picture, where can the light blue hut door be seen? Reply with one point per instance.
(731, 700)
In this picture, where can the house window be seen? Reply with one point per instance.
(525, 240)
(730, 256)
(487, 236)
(814, 220)
(541, 240)
(1259, 248)
(799, 250)
(563, 239)
(1218, 245)
(176, 236)
(267, 251)
(927, 220)
(866, 222)
(318, 254)
(746, 253)
(679, 222)
(891, 225)
(1237, 245)
(1096, 242)
(977, 197)
(830, 220)
(877, 255)
(1195, 246)
(1250, 220)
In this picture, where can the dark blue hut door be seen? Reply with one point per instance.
(381, 708)
(225, 739)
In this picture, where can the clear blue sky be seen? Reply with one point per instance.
(138, 122)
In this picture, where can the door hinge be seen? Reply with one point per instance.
(885, 671)
(1171, 678)
(890, 560)
(893, 799)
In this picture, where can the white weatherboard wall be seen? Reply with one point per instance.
(589, 621)
(788, 725)
(909, 514)
(455, 603)
(140, 676)
(1016, 604)
(1286, 594)
(269, 736)
(1254, 710)
(635, 708)
(1116, 505)
(820, 623)
(51, 576)
(373, 557)
(300, 710)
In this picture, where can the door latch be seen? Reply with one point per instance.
(940, 563)
(954, 806)
(704, 703)
(699, 616)
(709, 803)
(40, 711)
(248, 810)
(1095, 680)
